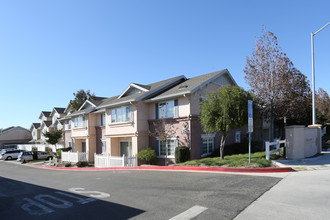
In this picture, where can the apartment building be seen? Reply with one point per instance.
(126, 123)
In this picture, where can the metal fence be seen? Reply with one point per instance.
(105, 160)
(74, 156)
(39, 147)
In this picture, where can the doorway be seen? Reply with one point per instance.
(126, 148)
(83, 147)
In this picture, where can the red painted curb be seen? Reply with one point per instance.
(181, 168)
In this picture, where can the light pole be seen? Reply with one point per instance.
(313, 74)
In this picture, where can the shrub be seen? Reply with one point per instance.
(182, 154)
(67, 164)
(34, 148)
(238, 148)
(147, 155)
(82, 164)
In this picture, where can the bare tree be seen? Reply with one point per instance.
(280, 88)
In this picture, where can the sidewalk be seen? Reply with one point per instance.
(300, 195)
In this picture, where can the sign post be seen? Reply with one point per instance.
(250, 121)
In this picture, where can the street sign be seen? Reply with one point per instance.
(250, 115)
(250, 121)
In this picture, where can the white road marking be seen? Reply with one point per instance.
(63, 204)
(95, 194)
(33, 211)
(190, 213)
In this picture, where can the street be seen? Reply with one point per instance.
(34, 193)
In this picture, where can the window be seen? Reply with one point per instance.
(70, 144)
(121, 114)
(102, 119)
(69, 124)
(207, 144)
(80, 121)
(171, 145)
(103, 145)
(168, 109)
(237, 137)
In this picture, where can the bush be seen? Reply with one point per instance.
(238, 148)
(182, 154)
(147, 155)
(67, 164)
(34, 148)
(82, 164)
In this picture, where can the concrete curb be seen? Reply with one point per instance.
(178, 168)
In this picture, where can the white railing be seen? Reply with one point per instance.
(40, 147)
(74, 156)
(277, 149)
(105, 160)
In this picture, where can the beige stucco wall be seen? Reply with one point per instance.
(302, 141)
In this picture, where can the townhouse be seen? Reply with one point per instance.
(126, 123)
(48, 120)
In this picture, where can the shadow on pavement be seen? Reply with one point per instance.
(19, 200)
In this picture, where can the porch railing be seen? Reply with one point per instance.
(74, 156)
(105, 160)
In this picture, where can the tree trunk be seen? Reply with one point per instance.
(222, 145)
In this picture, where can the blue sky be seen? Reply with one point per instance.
(51, 49)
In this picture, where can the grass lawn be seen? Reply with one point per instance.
(239, 160)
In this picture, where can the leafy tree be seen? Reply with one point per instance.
(53, 136)
(224, 110)
(280, 88)
(80, 97)
(322, 105)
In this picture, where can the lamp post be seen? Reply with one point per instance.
(313, 73)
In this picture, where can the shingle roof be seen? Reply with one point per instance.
(153, 89)
(48, 123)
(46, 113)
(36, 125)
(59, 110)
(188, 86)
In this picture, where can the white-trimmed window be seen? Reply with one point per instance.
(237, 137)
(103, 146)
(80, 121)
(70, 144)
(167, 109)
(102, 119)
(68, 125)
(121, 114)
(207, 144)
(171, 145)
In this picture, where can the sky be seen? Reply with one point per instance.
(51, 49)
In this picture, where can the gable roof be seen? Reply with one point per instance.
(35, 125)
(46, 123)
(191, 85)
(153, 89)
(44, 113)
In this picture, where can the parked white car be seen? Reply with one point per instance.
(9, 154)
(34, 155)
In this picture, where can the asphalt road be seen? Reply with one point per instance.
(34, 193)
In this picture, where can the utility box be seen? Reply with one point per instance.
(303, 141)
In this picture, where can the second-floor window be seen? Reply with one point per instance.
(69, 124)
(167, 109)
(121, 114)
(102, 119)
(80, 121)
